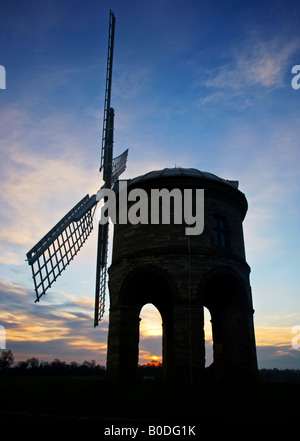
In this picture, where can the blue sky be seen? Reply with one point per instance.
(195, 84)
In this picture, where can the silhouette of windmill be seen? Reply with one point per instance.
(51, 255)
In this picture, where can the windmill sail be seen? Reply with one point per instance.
(101, 272)
(50, 256)
(106, 165)
(118, 166)
(107, 126)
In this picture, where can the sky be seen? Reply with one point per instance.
(198, 84)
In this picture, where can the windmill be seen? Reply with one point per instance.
(51, 255)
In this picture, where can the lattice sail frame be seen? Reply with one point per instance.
(50, 256)
(101, 273)
(118, 166)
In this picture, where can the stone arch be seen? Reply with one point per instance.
(146, 284)
(223, 287)
(225, 294)
(147, 276)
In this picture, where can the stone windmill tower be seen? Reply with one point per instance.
(157, 262)
(180, 275)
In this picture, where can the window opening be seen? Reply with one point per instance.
(219, 225)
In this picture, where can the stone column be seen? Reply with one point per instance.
(123, 342)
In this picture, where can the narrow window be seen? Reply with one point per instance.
(220, 233)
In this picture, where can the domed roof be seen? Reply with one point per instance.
(178, 171)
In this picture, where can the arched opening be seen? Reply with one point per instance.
(224, 302)
(150, 341)
(146, 295)
(209, 352)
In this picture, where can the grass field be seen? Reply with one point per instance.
(92, 402)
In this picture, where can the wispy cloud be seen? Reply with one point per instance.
(38, 186)
(274, 335)
(265, 159)
(280, 357)
(259, 63)
(251, 67)
(58, 329)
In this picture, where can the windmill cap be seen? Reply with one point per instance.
(184, 172)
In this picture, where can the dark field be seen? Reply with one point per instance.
(57, 403)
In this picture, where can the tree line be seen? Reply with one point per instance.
(32, 366)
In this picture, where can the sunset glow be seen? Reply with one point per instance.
(205, 85)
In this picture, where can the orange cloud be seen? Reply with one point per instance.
(273, 335)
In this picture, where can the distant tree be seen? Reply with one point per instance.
(74, 365)
(6, 359)
(44, 364)
(89, 364)
(57, 366)
(57, 363)
(33, 363)
(22, 365)
(153, 363)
